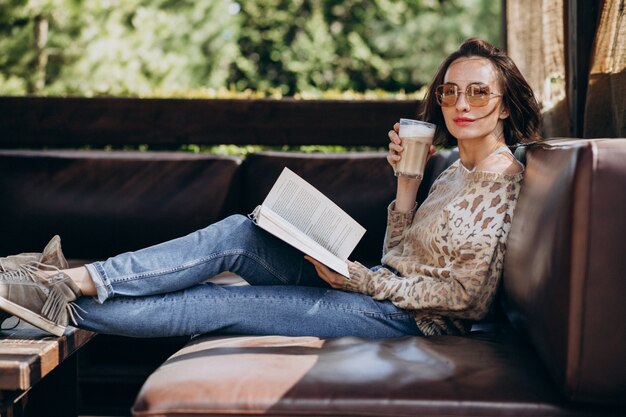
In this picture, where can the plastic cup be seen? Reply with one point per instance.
(416, 137)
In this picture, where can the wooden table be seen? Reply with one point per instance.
(38, 371)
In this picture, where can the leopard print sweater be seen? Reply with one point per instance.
(448, 253)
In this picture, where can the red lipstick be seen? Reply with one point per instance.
(463, 121)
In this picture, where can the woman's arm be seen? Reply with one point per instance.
(466, 292)
(406, 190)
(401, 211)
(406, 193)
(461, 275)
(462, 278)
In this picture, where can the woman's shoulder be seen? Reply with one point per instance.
(502, 163)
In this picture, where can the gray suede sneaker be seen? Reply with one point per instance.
(44, 302)
(51, 255)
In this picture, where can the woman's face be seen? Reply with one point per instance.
(464, 121)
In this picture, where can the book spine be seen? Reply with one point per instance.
(255, 214)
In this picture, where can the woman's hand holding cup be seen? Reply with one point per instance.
(396, 149)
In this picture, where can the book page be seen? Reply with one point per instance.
(314, 214)
(276, 225)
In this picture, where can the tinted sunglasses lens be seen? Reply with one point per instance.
(439, 94)
(478, 95)
(447, 95)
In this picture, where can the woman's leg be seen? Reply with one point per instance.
(251, 310)
(234, 244)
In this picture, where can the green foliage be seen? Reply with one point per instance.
(140, 46)
(119, 47)
(224, 48)
(315, 45)
(243, 151)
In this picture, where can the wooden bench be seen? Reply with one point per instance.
(38, 371)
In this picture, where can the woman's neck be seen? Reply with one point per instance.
(473, 151)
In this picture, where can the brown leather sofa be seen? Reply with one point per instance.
(555, 345)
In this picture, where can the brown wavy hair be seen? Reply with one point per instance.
(524, 121)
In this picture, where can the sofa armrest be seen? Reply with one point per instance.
(564, 271)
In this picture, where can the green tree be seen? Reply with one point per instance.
(139, 46)
(115, 46)
(304, 45)
(25, 43)
(156, 47)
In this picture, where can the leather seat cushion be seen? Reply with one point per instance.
(307, 376)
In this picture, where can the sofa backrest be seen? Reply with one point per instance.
(104, 203)
(565, 268)
(362, 184)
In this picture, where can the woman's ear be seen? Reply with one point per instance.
(504, 113)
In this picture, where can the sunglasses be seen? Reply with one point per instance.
(476, 94)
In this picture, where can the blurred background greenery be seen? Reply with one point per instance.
(228, 48)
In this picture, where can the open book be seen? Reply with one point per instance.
(300, 215)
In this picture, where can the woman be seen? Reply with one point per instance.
(441, 263)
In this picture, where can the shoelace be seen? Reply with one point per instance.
(3, 315)
(72, 311)
(35, 272)
(32, 271)
(25, 272)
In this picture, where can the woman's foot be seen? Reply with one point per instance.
(52, 255)
(39, 294)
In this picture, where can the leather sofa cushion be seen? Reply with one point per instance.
(104, 203)
(565, 268)
(480, 375)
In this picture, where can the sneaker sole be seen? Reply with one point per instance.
(32, 318)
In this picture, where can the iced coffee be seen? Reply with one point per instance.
(416, 137)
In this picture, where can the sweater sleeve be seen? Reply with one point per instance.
(465, 276)
(397, 223)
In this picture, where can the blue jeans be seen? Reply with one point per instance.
(160, 291)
